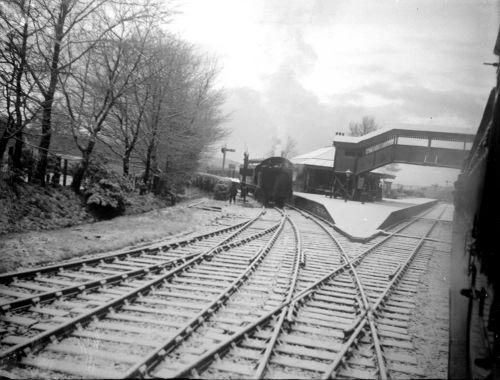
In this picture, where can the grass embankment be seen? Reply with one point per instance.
(29, 207)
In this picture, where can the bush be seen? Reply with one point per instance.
(106, 191)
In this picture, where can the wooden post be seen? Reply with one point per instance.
(65, 171)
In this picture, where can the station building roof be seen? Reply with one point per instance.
(320, 157)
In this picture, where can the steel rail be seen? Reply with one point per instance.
(8, 277)
(77, 322)
(185, 331)
(403, 267)
(299, 262)
(365, 304)
(427, 238)
(93, 284)
(364, 318)
(222, 347)
(369, 316)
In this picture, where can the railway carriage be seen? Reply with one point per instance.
(475, 284)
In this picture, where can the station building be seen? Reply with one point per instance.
(315, 172)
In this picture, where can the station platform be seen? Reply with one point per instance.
(358, 220)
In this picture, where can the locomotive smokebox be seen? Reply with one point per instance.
(273, 180)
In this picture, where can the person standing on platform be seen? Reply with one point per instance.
(243, 192)
(233, 190)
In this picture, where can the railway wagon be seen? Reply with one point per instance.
(273, 181)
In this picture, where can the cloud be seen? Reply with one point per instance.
(249, 122)
(307, 69)
(413, 101)
(441, 120)
(371, 100)
(302, 54)
(285, 107)
(299, 12)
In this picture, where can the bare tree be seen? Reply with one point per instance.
(199, 127)
(367, 125)
(71, 28)
(106, 74)
(167, 104)
(123, 128)
(166, 81)
(17, 98)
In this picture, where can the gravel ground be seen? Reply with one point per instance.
(429, 324)
(34, 248)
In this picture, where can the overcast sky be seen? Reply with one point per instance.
(306, 68)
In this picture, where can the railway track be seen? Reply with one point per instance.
(22, 288)
(388, 289)
(29, 321)
(350, 323)
(280, 275)
(280, 296)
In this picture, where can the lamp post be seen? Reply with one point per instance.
(347, 182)
(334, 175)
(333, 172)
(244, 177)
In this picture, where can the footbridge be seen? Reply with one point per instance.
(443, 147)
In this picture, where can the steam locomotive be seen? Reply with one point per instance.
(272, 181)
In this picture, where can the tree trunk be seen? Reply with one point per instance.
(3, 147)
(18, 151)
(147, 168)
(78, 176)
(44, 145)
(126, 163)
(82, 167)
(80, 172)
